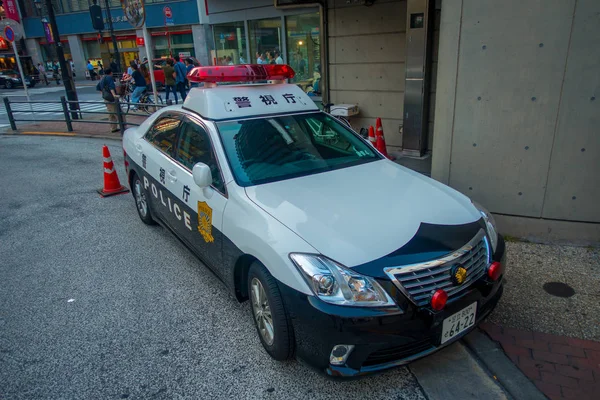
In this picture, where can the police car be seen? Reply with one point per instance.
(351, 262)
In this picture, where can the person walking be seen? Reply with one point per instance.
(100, 69)
(180, 78)
(113, 66)
(259, 58)
(170, 79)
(189, 66)
(278, 59)
(109, 95)
(72, 64)
(56, 72)
(140, 85)
(42, 71)
(146, 75)
(91, 71)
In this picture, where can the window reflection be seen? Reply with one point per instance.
(304, 50)
(230, 44)
(265, 41)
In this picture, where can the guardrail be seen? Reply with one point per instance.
(74, 113)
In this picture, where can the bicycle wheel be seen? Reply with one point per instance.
(147, 104)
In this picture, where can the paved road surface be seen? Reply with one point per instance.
(96, 305)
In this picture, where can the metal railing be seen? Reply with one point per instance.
(72, 111)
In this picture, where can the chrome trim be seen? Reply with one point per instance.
(418, 295)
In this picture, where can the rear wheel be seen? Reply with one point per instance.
(8, 84)
(270, 317)
(141, 201)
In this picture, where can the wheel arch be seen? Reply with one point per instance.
(240, 276)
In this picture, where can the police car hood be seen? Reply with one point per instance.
(358, 214)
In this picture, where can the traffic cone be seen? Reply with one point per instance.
(380, 141)
(112, 185)
(372, 139)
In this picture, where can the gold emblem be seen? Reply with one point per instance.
(459, 275)
(205, 221)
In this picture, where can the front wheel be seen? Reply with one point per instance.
(141, 201)
(8, 85)
(270, 317)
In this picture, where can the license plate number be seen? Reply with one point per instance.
(458, 322)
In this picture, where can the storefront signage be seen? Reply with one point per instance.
(115, 19)
(184, 54)
(134, 12)
(140, 41)
(168, 13)
(11, 10)
(9, 34)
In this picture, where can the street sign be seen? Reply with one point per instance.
(168, 12)
(15, 27)
(9, 34)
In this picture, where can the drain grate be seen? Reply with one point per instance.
(558, 289)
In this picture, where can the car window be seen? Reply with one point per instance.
(194, 147)
(163, 134)
(263, 150)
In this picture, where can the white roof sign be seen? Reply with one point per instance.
(243, 101)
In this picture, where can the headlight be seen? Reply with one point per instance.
(336, 284)
(490, 223)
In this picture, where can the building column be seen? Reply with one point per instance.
(142, 49)
(34, 50)
(76, 46)
(201, 35)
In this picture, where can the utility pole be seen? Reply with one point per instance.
(67, 76)
(113, 37)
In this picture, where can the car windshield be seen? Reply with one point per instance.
(271, 149)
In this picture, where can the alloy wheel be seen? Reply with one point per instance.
(262, 312)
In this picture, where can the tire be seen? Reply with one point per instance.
(141, 200)
(148, 104)
(280, 344)
(8, 85)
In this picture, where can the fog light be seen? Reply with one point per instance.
(438, 300)
(494, 271)
(340, 353)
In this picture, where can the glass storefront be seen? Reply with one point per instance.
(103, 52)
(230, 43)
(304, 48)
(173, 44)
(265, 39)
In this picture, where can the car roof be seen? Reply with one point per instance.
(244, 101)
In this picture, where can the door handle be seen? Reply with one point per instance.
(138, 147)
(172, 176)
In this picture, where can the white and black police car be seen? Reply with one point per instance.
(352, 263)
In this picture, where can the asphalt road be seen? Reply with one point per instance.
(96, 305)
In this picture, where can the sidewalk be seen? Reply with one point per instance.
(554, 340)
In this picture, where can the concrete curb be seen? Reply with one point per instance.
(491, 356)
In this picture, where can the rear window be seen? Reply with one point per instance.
(270, 149)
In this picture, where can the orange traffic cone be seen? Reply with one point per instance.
(372, 139)
(380, 141)
(112, 185)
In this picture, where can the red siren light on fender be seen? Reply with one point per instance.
(241, 73)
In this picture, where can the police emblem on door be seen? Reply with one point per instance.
(205, 221)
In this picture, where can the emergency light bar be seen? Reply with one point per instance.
(241, 73)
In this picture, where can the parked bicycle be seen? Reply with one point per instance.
(146, 102)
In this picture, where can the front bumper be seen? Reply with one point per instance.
(383, 337)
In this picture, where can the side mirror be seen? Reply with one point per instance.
(202, 175)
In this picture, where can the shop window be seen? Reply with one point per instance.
(265, 39)
(304, 50)
(230, 44)
(173, 44)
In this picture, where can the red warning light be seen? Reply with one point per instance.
(241, 73)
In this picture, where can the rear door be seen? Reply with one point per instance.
(205, 207)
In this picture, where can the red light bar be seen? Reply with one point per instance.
(241, 73)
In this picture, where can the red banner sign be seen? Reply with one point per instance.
(11, 10)
(139, 41)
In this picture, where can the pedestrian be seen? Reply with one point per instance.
(100, 69)
(259, 58)
(113, 66)
(170, 79)
(140, 85)
(42, 71)
(270, 59)
(278, 59)
(180, 78)
(109, 95)
(72, 65)
(56, 72)
(189, 65)
(130, 69)
(146, 75)
(91, 71)
(228, 60)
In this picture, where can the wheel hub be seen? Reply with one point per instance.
(262, 311)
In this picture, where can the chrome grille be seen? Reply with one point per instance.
(419, 281)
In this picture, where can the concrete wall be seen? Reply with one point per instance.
(517, 122)
(366, 57)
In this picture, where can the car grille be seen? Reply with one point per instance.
(419, 281)
(398, 352)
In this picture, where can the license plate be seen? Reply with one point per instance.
(459, 322)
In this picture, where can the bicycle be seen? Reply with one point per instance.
(146, 102)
